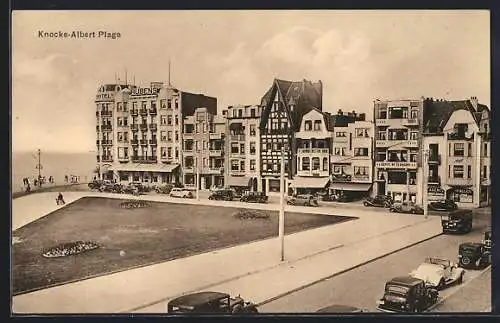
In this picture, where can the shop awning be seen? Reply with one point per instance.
(310, 182)
(238, 181)
(360, 187)
(163, 168)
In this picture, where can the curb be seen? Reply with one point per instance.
(344, 271)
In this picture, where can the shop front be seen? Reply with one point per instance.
(435, 193)
(462, 195)
(309, 185)
(353, 191)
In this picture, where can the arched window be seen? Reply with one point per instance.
(315, 163)
(305, 163)
(325, 164)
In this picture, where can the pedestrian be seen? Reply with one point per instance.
(28, 188)
(60, 199)
(66, 178)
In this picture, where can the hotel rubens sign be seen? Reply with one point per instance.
(145, 91)
(397, 164)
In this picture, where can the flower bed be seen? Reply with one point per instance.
(134, 204)
(70, 248)
(246, 214)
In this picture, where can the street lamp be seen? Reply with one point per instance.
(197, 177)
(282, 205)
(425, 189)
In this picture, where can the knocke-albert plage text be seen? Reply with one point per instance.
(79, 34)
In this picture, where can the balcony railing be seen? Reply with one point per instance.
(107, 113)
(134, 126)
(107, 158)
(215, 152)
(97, 128)
(237, 137)
(144, 159)
(460, 136)
(97, 113)
(395, 164)
(153, 142)
(215, 136)
(134, 142)
(152, 112)
(123, 158)
(143, 112)
(143, 126)
(434, 180)
(486, 136)
(341, 178)
(152, 126)
(106, 127)
(106, 142)
(134, 112)
(435, 159)
(396, 142)
(360, 178)
(143, 141)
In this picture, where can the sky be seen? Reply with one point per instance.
(234, 56)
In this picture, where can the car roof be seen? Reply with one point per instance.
(405, 280)
(197, 299)
(471, 244)
(339, 309)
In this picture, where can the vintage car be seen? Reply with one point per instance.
(164, 189)
(340, 309)
(258, 197)
(474, 255)
(131, 188)
(210, 302)
(110, 187)
(378, 201)
(302, 199)
(96, 184)
(443, 205)
(406, 207)
(439, 273)
(458, 221)
(181, 192)
(407, 294)
(224, 195)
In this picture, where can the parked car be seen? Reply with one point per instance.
(407, 294)
(164, 189)
(340, 309)
(302, 199)
(405, 207)
(181, 192)
(258, 197)
(338, 198)
(378, 201)
(474, 255)
(131, 188)
(111, 187)
(95, 184)
(439, 273)
(210, 302)
(443, 205)
(458, 221)
(224, 195)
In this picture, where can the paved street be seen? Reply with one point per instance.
(362, 286)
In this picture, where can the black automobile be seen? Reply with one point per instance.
(474, 255)
(407, 294)
(340, 309)
(255, 197)
(222, 195)
(443, 205)
(405, 207)
(210, 302)
(111, 187)
(378, 201)
(132, 188)
(95, 184)
(458, 221)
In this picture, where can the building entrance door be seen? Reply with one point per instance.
(381, 188)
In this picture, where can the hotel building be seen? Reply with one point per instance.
(242, 147)
(139, 131)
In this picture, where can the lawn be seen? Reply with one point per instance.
(160, 232)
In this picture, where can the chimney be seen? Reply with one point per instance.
(340, 113)
(473, 101)
(362, 117)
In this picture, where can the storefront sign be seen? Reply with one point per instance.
(105, 97)
(145, 91)
(435, 190)
(462, 194)
(396, 164)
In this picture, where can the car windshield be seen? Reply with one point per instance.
(396, 289)
(469, 249)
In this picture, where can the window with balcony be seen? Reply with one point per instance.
(163, 135)
(458, 171)
(252, 148)
(397, 177)
(163, 152)
(252, 164)
(315, 163)
(169, 104)
(362, 132)
(234, 148)
(339, 151)
(235, 165)
(317, 125)
(252, 130)
(308, 125)
(305, 163)
(414, 135)
(162, 104)
(458, 149)
(337, 169)
(398, 113)
(176, 103)
(414, 114)
(382, 135)
(382, 113)
(360, 151)
(398, 134)
(325, 164)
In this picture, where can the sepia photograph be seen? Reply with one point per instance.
(250, 162)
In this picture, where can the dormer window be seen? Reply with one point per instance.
(317, 125)
(308, 125)
(460, 128)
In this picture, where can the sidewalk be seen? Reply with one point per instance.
(252, 270)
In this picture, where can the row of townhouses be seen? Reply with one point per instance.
(159, 134)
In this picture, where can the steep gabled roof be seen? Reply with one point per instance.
(437, 113)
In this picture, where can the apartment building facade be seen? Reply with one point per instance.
(139, 131)
(398, 145)
(203, 149)
(457, 150)
(352, 154)
(243, 147)
(283, 106)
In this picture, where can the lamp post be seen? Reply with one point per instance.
(282, 206)
(425, 191)
(197, 177)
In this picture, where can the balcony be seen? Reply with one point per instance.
(410, 122)
(97, 128)
(213, 170)
(396, 122)
(97, 142)
(237, 171)
(153, 142)
(153, 126)
(340, 159)
(215, 136)
(143, 112)
(188, 135)
(123, 158)
(396, 164)
(152, 112)
(313, 173)
(434, 159)
(189, 169)
(134, 126)
(106, 113)
(97, 113)
(215, 153)
(106, 127)
(143, 142)
(134, 142)
(106, 142)
(143, 126)
(393, 143)
(313, 151)
(434, 180)
(341, 178)
(485, 181)
(460, 136)
(107, 158)
(144, 159)
(237, 137)
(134, 112)
(459, 181)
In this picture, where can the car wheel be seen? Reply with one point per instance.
(464, 260)
(365, 203)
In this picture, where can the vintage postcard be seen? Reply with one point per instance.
(253, 162)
